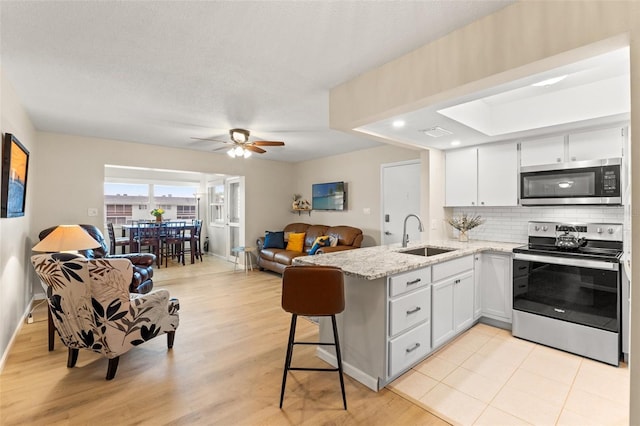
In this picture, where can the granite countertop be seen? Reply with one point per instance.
(371, 263)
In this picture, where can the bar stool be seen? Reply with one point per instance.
(312, 291)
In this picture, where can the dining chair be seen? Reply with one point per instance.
(148, 235)
(193, 239)
(115, 242)
(172, 240)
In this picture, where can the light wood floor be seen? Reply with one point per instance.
(225, 367)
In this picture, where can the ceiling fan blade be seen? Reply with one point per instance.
(267, 143)
(211, 140)
(254, 149)
(220, 149)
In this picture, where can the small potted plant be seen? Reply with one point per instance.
(296, 201)
(465, 223)
(158, 214)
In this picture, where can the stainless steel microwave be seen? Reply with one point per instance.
(579, 182)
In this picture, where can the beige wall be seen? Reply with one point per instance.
(522, 39)
(15, 246)
(72, 168)
(361, 171)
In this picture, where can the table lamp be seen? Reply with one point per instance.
(66, 238)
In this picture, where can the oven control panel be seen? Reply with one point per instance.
(590, 231)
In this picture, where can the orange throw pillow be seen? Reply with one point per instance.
(296, 241)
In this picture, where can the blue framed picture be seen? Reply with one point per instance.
(15, 166)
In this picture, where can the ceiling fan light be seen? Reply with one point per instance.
(232, 153)
(240, 137)
(239, 151)
(247, 153)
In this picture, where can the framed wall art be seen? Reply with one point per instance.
(15, 166)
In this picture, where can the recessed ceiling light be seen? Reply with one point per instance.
(399, 124)
(549, 81)
(436, 132)
(455, 143)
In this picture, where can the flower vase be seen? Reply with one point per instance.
(463, 236)
(159, 218)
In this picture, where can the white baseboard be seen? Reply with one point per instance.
(25, 314)
(359, 375)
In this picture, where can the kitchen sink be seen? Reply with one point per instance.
(427, 251)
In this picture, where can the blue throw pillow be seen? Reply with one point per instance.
(319, 244)
(274, 239)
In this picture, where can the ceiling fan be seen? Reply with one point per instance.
(242, 147)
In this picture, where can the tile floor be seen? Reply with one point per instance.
(488, 377)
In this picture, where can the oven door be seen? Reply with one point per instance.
(579, 291)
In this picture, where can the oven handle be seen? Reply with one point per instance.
(582, 263)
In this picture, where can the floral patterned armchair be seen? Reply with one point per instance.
(92, 308)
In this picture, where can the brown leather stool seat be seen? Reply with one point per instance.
(312, 291)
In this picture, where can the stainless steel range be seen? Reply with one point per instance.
(566, 288)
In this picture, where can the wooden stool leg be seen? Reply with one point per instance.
(287, 361)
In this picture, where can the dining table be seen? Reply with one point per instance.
(159, 228)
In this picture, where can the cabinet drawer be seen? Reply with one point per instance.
(407, 281)
(409, 310)
(406, 349)
(451, 267)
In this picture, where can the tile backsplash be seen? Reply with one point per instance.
(509, 224)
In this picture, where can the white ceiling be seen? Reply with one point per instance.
(595, 92)
(161, 72)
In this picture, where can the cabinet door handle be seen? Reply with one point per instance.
(416, 281)
(414, 310)
(413, 348)
(456, 282)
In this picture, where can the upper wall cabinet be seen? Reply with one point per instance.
(591, 145)
(461, 177)
(483, 176)
(542, 151)
(596, 145)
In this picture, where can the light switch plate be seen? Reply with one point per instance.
(92, 211)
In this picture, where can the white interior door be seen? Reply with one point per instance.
(400, 197)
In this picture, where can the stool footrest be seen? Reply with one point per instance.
(312, 369)
(314, 343)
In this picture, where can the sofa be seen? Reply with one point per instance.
(276, 259)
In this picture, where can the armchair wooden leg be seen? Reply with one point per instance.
(170, 336)
(113, 367)
(51, 329)
(73, 357)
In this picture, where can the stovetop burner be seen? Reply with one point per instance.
(601, 241)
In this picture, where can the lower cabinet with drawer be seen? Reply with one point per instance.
(409, 348)
(409, 319)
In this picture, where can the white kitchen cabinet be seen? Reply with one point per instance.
(483, 176)
(461, 177)
(452, 299)
(409, 319)
(596, 144)
(496, 283)
(498, 175)
(582, 146)
(536, 152)
(477, 287)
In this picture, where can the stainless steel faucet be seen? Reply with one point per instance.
(405, 236)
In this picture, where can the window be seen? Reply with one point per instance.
(128, 202)
(186, 212)
(216, 206)
(118, 214)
